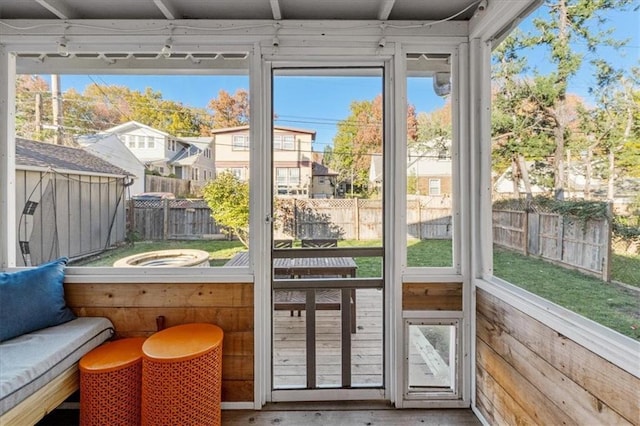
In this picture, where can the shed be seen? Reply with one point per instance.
(68, 202)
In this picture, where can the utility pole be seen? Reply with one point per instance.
(38, 120)
(56, 103)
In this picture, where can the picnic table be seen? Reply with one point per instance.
(304, 266)
(308, 267)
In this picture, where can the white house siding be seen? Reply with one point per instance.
(110, 148)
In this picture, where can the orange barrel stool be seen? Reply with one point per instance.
(111, 383)
(182, 376)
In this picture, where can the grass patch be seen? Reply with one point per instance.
(608, 304)
(626, 268)
(425, 253)
(219, 251)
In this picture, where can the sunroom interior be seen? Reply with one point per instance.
(512, 356)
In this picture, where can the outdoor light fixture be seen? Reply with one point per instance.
(482, 6)
(442, 83)
(62, 47)
(166, 49)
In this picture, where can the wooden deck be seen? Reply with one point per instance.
(317, 414)
(427, 367)
(289, 333)
(345, 414)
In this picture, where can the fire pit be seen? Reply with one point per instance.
(166, 259)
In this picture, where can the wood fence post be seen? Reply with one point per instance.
(356, 212)
(525, 231)
(607, 225)
(295, 220)
(419, 212)
(560, 240)
(131, 225)
(165, 220)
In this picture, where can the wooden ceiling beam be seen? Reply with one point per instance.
(275, 9)
(168, 10)
(385, 9)
(58, 8)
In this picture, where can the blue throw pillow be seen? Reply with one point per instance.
(33, 299)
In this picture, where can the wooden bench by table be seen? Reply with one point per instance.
(295, 300)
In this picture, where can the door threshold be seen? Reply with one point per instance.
(328, 405)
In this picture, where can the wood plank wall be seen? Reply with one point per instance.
(432, 297)
(527, 373)
(134, 307)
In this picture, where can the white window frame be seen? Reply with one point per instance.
(288, 142)
(240, 143)
(238, 172)
(435, 189)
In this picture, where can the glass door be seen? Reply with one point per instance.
(328, 233)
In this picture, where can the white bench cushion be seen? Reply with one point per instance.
(30, 361)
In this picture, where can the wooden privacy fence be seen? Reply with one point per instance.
(566, 241)
(178, 219)
(179, 187)
(296, 218)
(354, 219)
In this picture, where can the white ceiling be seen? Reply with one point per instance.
(387, 10)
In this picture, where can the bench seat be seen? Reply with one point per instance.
(31, 361)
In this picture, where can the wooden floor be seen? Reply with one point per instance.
(289, 344)
(320, 416)
(366, 416)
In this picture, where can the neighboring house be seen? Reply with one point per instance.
(68, 201)
(292, 150)
(624, 191)
(429, 172)
(323, 182)
(110, 148)
(165, 153)
(504, 185)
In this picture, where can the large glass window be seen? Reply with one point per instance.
(103, 198)
(565, 202)
(430, 172)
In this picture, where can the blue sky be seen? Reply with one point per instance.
(320, 102)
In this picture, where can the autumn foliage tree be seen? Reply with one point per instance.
(359, 137)
(230, 110)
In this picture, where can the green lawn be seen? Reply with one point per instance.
(608, 304)
(625, 268)
(611, 305)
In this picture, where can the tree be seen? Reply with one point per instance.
(228, 199)
(33, 107)
(570, 21)
(228, 110)
(612, 126)
(359, 137)
(521, 130)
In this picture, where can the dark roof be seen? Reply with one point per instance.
(42, 154)
(318, 169)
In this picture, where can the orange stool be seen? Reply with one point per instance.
(111, 382)
(182, 376)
